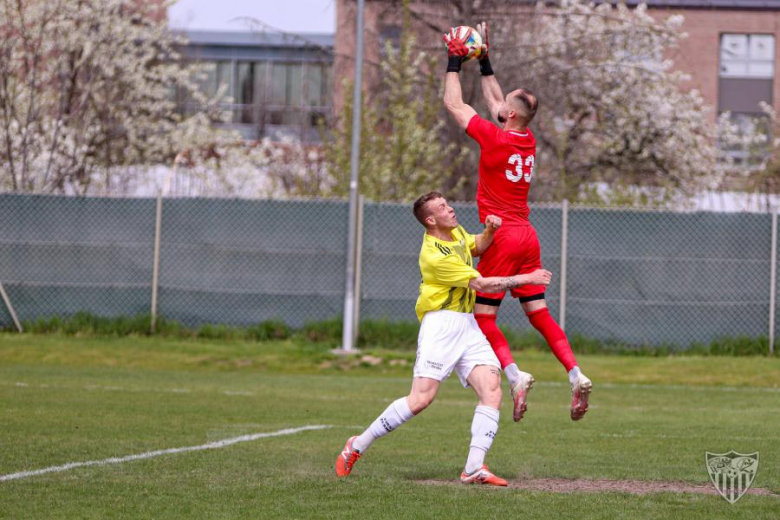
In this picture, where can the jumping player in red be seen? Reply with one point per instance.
(506, 170)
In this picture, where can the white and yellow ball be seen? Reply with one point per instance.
(473, 43)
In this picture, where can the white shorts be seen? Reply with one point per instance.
(451, 340)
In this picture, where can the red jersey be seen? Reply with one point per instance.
(506, 168)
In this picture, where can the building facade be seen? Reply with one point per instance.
(272, 84)
(731, 54)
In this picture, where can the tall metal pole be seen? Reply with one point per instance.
(349, 297)
(772, 283)
(564, 261)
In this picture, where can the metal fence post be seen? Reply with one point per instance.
(164, 190)
(156, 265)
(772, 283)
(358, 268)
(10, 308)
(564, 261)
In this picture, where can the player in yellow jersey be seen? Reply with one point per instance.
(449, 337)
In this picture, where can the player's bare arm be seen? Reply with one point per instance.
(499, 284)
(453, 94)
(491, 90)
(453, 101)
(484, 239)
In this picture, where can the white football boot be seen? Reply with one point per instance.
(580, 392)
(520, 394)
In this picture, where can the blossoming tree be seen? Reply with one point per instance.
(87, 93)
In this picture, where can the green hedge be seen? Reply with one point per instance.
(373, 334)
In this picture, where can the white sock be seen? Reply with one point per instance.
(394, 416)
(512, 374)
(574, 374)
(483, 430)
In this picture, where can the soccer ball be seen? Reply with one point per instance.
(473, 43)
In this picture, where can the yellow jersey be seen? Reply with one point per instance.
(446, 269)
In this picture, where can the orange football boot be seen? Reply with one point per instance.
(347, 458)
(482, 476)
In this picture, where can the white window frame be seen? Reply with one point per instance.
(741, 55)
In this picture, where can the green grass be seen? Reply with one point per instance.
(78, 398)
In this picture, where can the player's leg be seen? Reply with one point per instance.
(400, 411)
(438, 350)
(486, 382)
(503, 258)
(479, 368)
(498, 260)
(520, 383)
(539, 316)
(535, 308)
(534, 305)
(486, 313)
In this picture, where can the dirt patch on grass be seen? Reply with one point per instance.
(637, 487)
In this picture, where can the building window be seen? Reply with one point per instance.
(747, 68)
(216, 74)
(747, 56)
(391, 34)
(317, 92)
(260, 93)
(749, 152)
(286, 93)
(251, 78)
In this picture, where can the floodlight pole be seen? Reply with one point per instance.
(348, 336)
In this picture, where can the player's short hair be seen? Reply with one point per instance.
(419, 208)
(529, 102)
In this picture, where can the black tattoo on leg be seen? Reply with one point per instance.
(495, 372)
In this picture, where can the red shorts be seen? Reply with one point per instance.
(515, 250)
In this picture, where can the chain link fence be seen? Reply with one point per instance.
(633, 277)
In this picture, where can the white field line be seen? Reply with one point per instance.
(22, 384)
(150, 454)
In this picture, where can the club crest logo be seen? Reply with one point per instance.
(732, 473)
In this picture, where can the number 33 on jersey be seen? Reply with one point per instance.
(517, 175)
(506, 168)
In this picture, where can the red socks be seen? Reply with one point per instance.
(487, 322)
(543, 322)
(553, 334)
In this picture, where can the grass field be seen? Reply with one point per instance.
(75, 399)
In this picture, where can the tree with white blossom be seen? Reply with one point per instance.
(88, 95)
(756, 141)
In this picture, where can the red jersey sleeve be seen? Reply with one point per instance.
(482, 131)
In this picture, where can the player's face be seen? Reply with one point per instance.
(502, 114)
(442, 214)
(506, 111)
